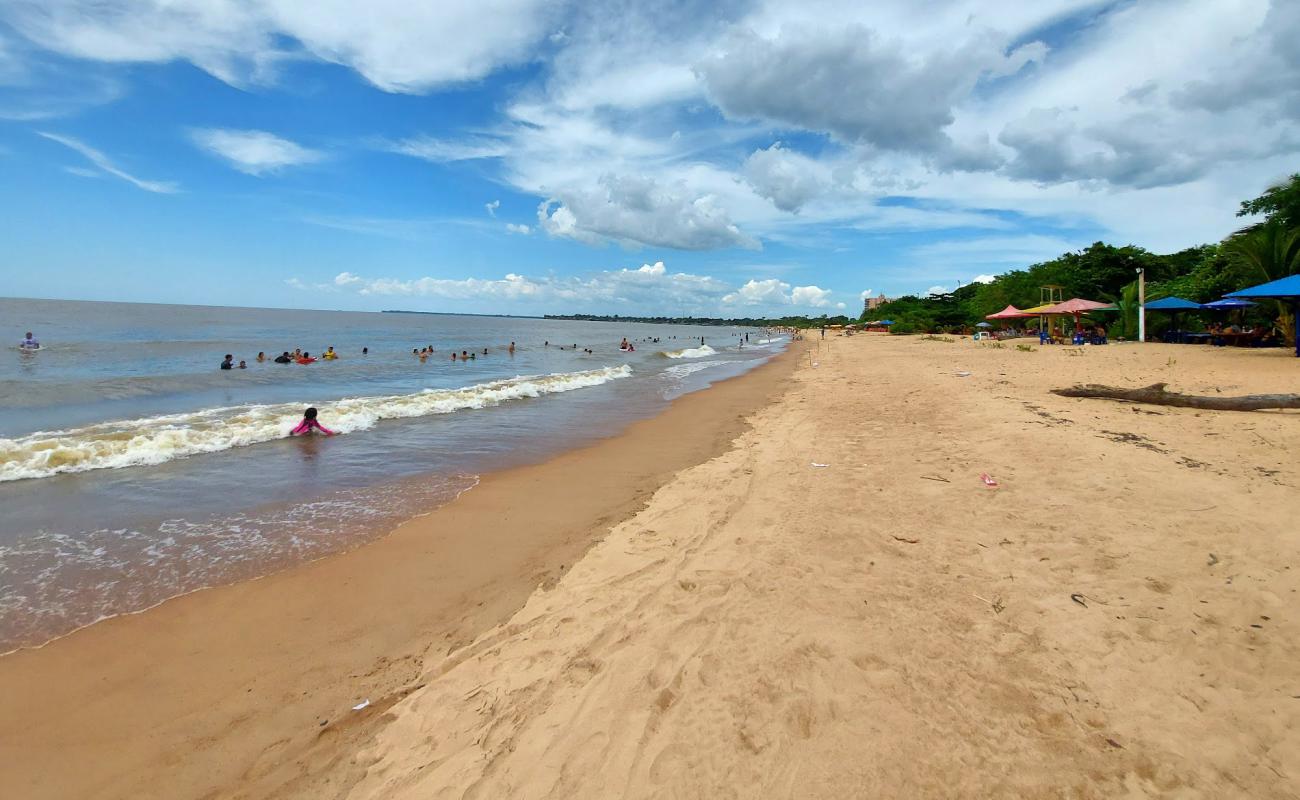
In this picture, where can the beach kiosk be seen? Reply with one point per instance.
(1284, 290)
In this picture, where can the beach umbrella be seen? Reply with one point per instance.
(1228, 304)
(1010, 312)
(1286, 290)
(983, 325)
(885, 322)
(1075, 307)
(1173, 304)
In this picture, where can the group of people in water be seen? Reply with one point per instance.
(298, 356)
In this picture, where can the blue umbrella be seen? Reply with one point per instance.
(1286, 289)
(1229, 303)
(1172, 304)
(984, 325)
(885, 322)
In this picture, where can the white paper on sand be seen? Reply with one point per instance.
(361, 705)
(815, 464)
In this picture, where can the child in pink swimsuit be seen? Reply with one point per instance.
(309, 424)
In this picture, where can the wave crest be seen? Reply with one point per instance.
(690, 352)
(155, 440)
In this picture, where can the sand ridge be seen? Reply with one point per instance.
(1116, 618)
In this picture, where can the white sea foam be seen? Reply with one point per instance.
(155, 440)
(691, 352)
(680, 371)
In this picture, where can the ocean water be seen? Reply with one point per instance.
(133, 470)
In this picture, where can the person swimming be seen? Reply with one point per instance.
(306, 358)
(29, 343)
(309, 425)
(365, 351)
(329, 354)
(260, 356)
(229, 362)
(284, 358)
(243, 364)
(512, 348)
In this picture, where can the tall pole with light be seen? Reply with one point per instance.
(1142, 304)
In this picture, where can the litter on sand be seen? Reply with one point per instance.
(962, 374)
(988, 480)
(815, 464)
(361, 705)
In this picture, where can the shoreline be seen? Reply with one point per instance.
(245, 688)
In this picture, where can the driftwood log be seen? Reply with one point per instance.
(1155, 394)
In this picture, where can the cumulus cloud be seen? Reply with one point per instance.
(638, 209)
(851, 82)
(523, 230)
(396, 45)
(650, 288)
(254, 152)
(772, 292)
(106, 165)
(786, 178)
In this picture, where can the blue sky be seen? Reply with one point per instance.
(519, 156)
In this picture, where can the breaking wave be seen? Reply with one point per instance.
(691, 352)
(155, 440)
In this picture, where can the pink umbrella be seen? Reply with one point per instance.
(1010, 312)
(1075, 306)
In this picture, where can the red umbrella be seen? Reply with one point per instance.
(1010, 312)
(1075, 306)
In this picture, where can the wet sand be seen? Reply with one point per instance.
(246, 690)
(838, 606)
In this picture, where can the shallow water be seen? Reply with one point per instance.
(133, 470)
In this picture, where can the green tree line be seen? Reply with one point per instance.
(1263, 251)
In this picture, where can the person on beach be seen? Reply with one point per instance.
(309, 425)
(260, 356)
(29, 343)
(306, 358)
(283, 358)
(229, 362)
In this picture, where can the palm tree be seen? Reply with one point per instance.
(1267, 252)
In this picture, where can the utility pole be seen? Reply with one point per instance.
(1142, 304)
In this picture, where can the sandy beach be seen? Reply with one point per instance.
(794, 584)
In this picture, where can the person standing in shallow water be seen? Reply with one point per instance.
(229, 362)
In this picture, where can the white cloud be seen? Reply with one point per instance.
(492, 207)
(865, 294)
(650, 288)
(446, 150)
(639, 210)
(520, 229)
(983, 279)
(397, 45)
(83, 172)
(254, 152)
(771, 292)
(938, 290)
(786, 178)
(106, 165)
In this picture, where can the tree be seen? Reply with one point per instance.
(1280, 203)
